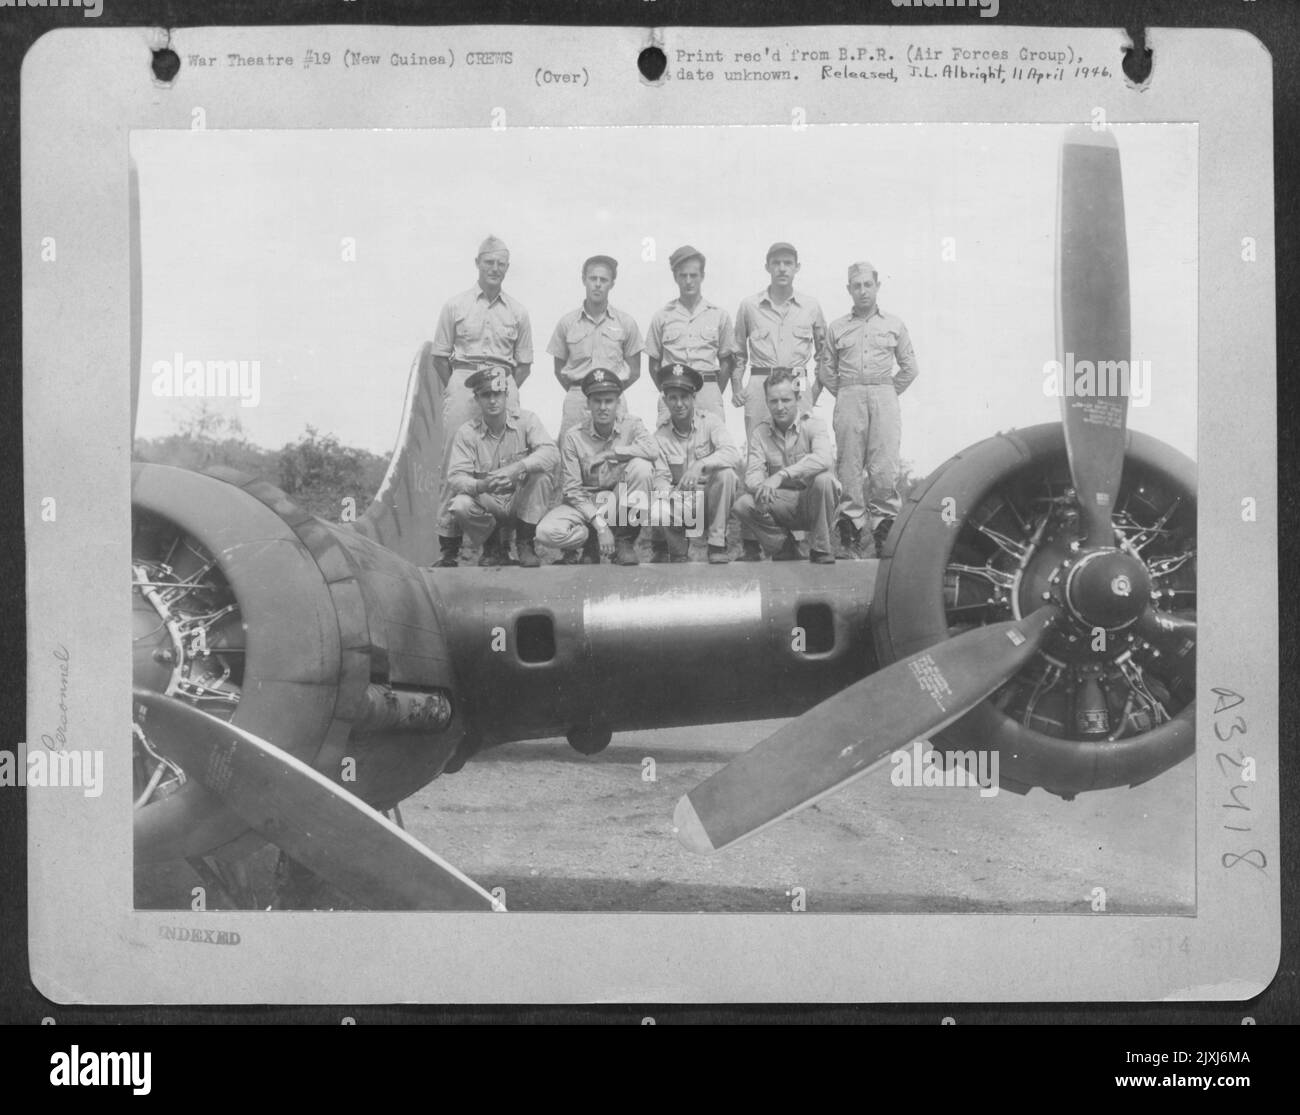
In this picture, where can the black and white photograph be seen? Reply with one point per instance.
(716, 501)
(798, 526)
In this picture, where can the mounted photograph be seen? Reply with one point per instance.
(813, 532)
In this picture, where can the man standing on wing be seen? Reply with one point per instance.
(480, 327)
(498, 475)
(863, 348)
(595, 335)
(692, 332)
(607, 463)
(788, 479)
(778, 328)
(698, 458)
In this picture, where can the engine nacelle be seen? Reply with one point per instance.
(973, 546)
(298, 631)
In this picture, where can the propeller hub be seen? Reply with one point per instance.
(1107, 588)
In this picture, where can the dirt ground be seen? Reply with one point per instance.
(560, 831)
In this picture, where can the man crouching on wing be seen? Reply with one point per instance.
(498, 475)
(696, 471)
(607, 465)
(790, 485)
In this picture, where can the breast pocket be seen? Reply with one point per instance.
(577, 335)
(505, 331)
(675, 332)
(884, 342)
(611, 338)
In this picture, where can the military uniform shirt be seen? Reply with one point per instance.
(862, 350)
(698, 338)
(779, 336)
(707, 440)
(803, 451)
(475, 452)
(581, 444)
(584, 342)
(473, 325)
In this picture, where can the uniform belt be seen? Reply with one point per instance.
(459, 365)
(755, 370)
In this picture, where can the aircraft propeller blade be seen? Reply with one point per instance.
(847, 734)
(319, 824)
(1092, 320)
(1175, 639)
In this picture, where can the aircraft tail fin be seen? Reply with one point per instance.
(403, 516)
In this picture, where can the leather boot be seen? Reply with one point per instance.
(850, 536)
(524, 535)
(507, 538)
(881, 533)
(450, 548)
(625, 547)
(493, 551)
(750, 550)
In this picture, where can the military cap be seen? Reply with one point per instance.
(607, 261)
(684, 253)
(781, 247)
(492, 244)
(679, 375)
(601, 379)
(489, 378)
(861, 266)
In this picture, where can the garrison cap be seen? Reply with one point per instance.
(861, 265)
(492, 244)
(684, 253)
(779, 248)
(608, 261)
(489, 378)
(601, 379)
(679, 375)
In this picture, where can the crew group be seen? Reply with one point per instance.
(502, 468)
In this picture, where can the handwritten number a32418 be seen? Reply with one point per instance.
(1229, 699)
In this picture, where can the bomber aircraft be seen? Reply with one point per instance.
(295, 679)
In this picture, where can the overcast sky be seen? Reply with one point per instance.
(242, 233)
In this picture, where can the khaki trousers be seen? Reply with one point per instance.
(867, 438)
(479, 515)
(566, 529)
(812, 510)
